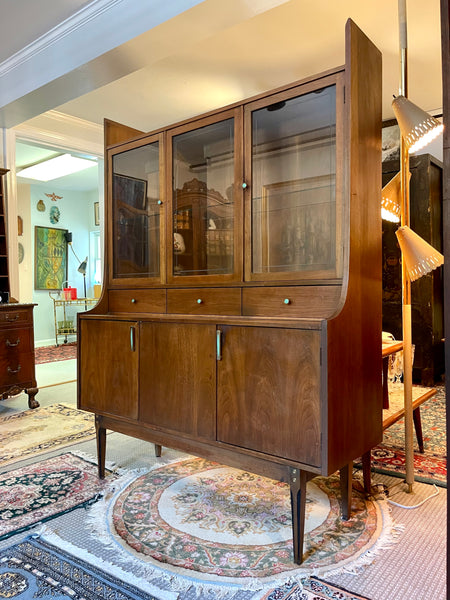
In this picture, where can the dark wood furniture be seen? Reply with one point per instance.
(17, 370)
(251, 337)
(427, 291)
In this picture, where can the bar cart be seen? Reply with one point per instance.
(65, 322)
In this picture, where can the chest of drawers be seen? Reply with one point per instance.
(17, 369)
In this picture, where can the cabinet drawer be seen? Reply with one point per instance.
(15, 315)
(16, 368)
(137, 301)
(15, 340)
(299, 302)
(200, 301)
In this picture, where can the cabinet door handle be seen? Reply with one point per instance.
(13, 319)
(132, 339)
(219, 344)
(12, 344)
(14, 370)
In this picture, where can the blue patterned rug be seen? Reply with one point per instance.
(34, 568)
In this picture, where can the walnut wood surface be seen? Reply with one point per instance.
(308, 301)
(268, 392)
(137, 301)
(177, 378)
(112, 388)
(204, 301)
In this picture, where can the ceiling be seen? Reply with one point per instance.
(219, 52)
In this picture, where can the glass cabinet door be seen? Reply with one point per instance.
(293, 205)
(203, 202)
(135, 193)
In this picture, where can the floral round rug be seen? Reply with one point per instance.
(199, 517)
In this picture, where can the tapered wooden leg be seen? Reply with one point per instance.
(346, 490)
(157, 449)
(366, 460)
(418, 427)
(32, 403)
(101, 446)
(298, 481)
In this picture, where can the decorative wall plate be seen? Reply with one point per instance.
(40, 206)
(54, 214)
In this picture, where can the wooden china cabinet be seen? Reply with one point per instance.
(241, 313)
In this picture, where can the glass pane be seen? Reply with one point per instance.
(135, 195)
(293, 184)
(203, 176)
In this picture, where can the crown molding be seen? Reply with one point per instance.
(63, 131)
(67, 27)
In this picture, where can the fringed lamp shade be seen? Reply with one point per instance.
(418, 128)
(420, 258)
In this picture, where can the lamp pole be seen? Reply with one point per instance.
(406, 281)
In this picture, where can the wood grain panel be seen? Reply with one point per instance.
(110, 387)
(177, 378)
(268, 392)
(116, 133)
(353, 338)
(15, 340)
(201, 301)
(13, 316)
(137, 301)
(304, 302)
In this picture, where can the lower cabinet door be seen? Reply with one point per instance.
(108, 369)
(178, 377)
(268, 391)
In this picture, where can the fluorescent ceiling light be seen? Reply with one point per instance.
(62, 165)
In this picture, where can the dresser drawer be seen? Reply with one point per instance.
(298, 302)
(16, 368)
(13, 316)
(15, 340)
(200, 301)
(137, 301)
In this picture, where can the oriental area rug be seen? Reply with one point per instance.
(429, 466)
(32, 432)
(35, 568)
(44, 490)
(47, 354)
(196, 523)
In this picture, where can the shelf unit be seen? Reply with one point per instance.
(4, 272)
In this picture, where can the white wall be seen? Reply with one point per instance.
(76, 215)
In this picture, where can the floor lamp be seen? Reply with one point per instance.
(417, 129)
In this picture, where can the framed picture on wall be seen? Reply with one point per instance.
(96, 213)
(50, 258)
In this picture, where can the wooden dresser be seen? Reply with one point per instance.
(241, 312)
(17, 371)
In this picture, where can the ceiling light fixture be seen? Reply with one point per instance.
(62, 165)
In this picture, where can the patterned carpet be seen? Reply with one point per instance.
(35, 568)
(201, 524)
(47, 354)
(429, 467)
(41, 491)
(42, 429)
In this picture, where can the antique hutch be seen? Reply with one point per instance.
(241, 312)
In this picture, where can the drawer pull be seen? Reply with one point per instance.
(244, 185)
(160, 202)
(199, 301)
(132, 339)
(286, 301)
(219, 344)
(133, 300)
(14, 370)
(12, 344)
(16, 316)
